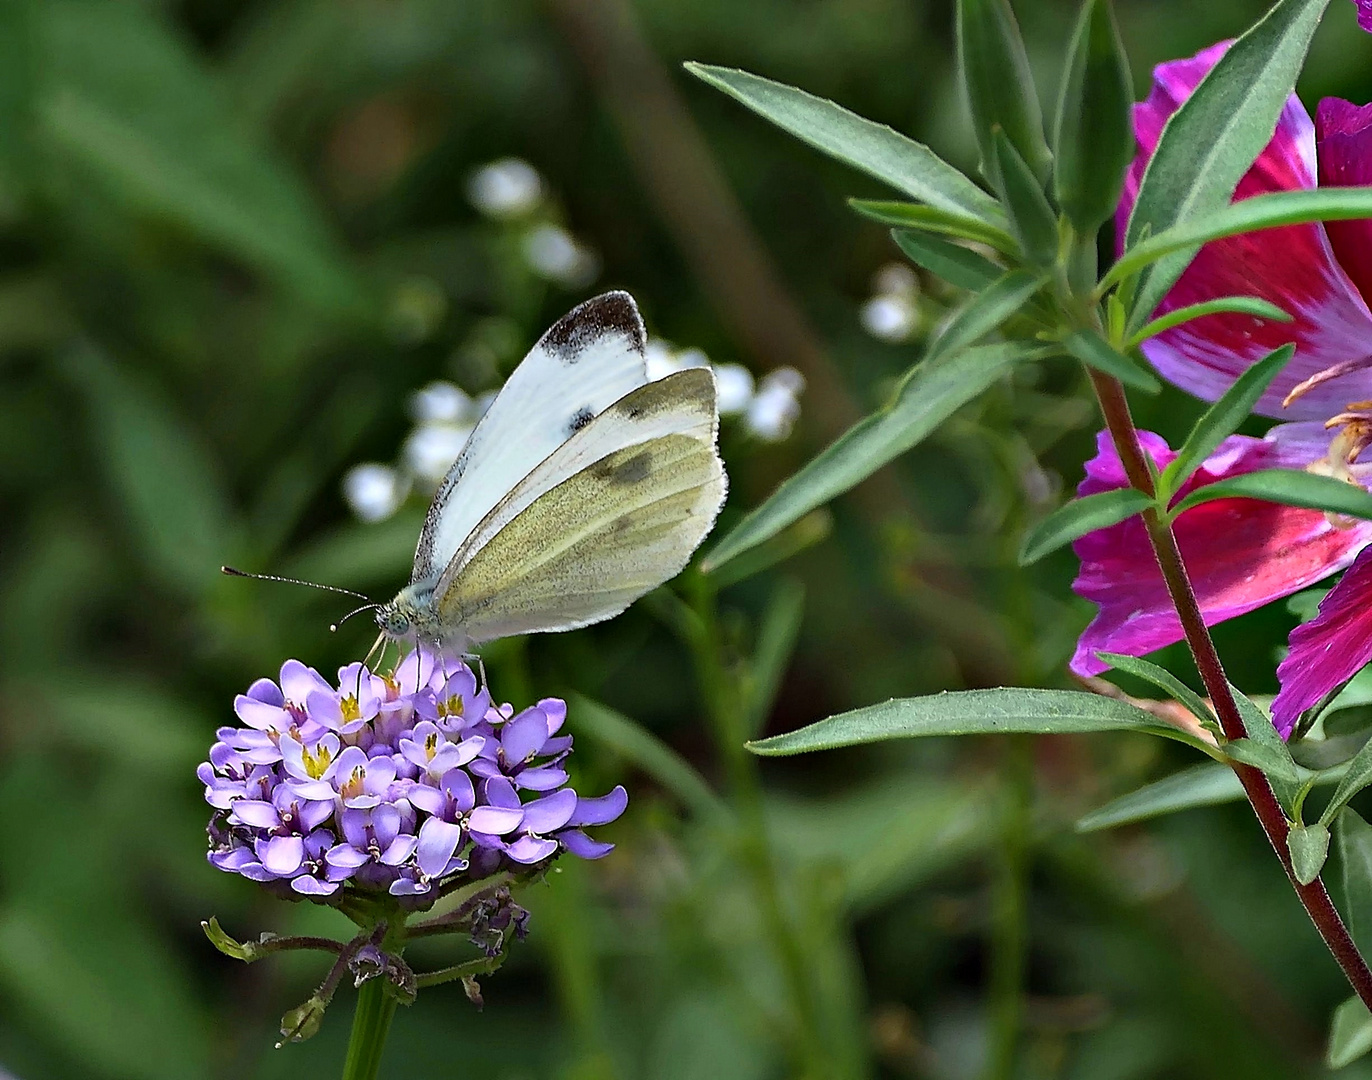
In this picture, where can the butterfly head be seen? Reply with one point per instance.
(411, 614)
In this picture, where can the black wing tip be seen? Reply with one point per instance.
(610, 313)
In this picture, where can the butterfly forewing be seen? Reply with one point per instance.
(586, 549)
(590, 359)
(680, 404)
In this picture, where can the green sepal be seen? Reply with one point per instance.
(1093, 136)
(999, 85)
(1031, 218)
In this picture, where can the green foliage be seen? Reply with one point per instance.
(1093, 134)
(1094, 351)
(1006, 710)
(955, 264)
(1308, 846)
(1216, 134)
(1207, 784)
(1231, 305)
(1079, 517)
(1292, 487)
(1032, 220)
(998, 84)
(1221, 420)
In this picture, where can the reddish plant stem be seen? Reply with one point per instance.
(1314, 897)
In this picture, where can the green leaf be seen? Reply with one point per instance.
(931, 393)
(1094, 351)
(1264, 757)
(1005, 710)
(873, 148)
(645, 750)
(1357, 776)
(1164, 680)
(1221, 420)
(1248, 215)
(1308, 846)
(810, 530)
(1032, 220)
(776, 643)
(905, 215)
(1079, 517)
(1350, 1033)
(127, 108)
(1093, 138)
(1270, 749)
(1225, 305)
(1353, 836)
(1291, 487)
(170, 493)
(985, 312)
(1000, 88)
(1217, 133)
(955, 264)
(1207, 784)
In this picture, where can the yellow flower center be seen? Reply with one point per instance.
(350, 709)
(316, 762)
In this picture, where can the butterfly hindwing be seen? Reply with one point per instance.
(586, 548)
(588, 360)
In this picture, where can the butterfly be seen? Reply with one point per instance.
(583, 487)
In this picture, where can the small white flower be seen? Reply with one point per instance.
(895, 279)
(505, 188)
(373, 492)
(888, 316)
(441, 403)
(776, 406)
(431, 450)
(553, 253)
(734, 388)
(661, 360)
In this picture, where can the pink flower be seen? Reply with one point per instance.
(1364, 13)
(1241, 553)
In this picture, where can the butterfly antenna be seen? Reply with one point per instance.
(295, 581)
(333, 627)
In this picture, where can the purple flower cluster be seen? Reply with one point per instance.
(392, 782)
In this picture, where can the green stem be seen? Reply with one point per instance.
(371, 1023)
(1008, 910)
(724, 703)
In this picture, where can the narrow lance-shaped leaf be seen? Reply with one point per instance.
(985, 311)
(955, 264)
(1290, 487)
(1031, 218)
(875, 149)
(1357, 776)
(1094, 351)
(1280, 769)
(931, 393)
(1000, 88)
(1207, 784)
(1270, 211)
(1164, 680)
(1221, 420)
(1005, 710)
(1217, 133)
(906, 215)
(1354, 839)
(1225, 305)
(776, 642)
(1079, 517)
(1094, 134)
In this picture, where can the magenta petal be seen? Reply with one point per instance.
(1343, 139)
(1364, 14)
(1328, 650)
(1293, 267)
(1241, 553)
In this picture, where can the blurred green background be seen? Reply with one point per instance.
(235, 238)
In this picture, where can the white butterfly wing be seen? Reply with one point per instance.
(623, 518)
(588, 360)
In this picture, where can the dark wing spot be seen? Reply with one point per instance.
(579, 420)
(612, 313)
(633, 471)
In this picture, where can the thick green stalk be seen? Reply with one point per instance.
(1314, 897)
(371, 1023)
